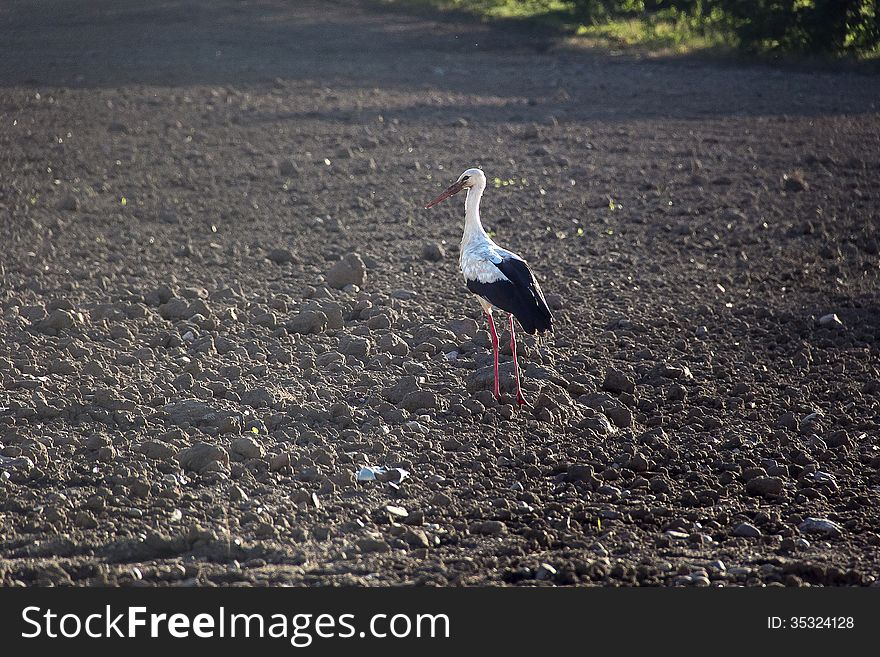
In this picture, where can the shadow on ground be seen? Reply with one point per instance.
(179, 44)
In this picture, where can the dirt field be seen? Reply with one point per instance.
(189, 385)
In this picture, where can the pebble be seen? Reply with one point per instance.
(85, 520)
(371, 544)
(488, 528)
(236, 494)
(822, 526)
(349, 270)
(352, 345)
(788, 421)
(267, 319)
(307, 321)
(831, 321)
(433, 252)
(545, 572)
(401, 389)
(617, 382)
(419, 399)
(175, 309)
(287, 167)
(203, 458)
(280, 256)
(746, 530)
(794, 182)
(441, 500)
(416, 538)
(580, 472)
(22, 463)
(68, 203)
(247, 448)
(396, 511)
(620, 415)
(765, 486)
(58, 320)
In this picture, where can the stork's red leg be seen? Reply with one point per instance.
(519, 396)
(497, 391)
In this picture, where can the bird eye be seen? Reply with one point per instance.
(466, 177)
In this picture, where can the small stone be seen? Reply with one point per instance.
(236, 494)
(68, 203)
(308, 321)
(279, 461)
(158, 451)
(401, 389)
(433, 252)
(419, 399)
(794, 182)
(393, 345)
(765, 486)
(545, 571)
(352, 345)
(58, 320)
(788, 421)
(489, 528)
(196, 412)
(659, 484)
(831, 321)
(617, 382)
(22, 463)
(441, 500)
(463, 327)
(267, 319)
(416, 538)
(280, 256)
(396, 511)
(370, 544)
(85, 520)
(620, 415)
(580, 472)
(820, 526)
(638, 463)
(746, 530)
(203, 457)
(609, 491)
(349, 270)
(95, 503)
(247, 448)
(555, 301)
(175, 309)
(287, 167)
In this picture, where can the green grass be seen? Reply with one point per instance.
(651, 34)
(655, 34)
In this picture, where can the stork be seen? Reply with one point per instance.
(500, 278)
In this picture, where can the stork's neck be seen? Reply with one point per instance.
(473, 228)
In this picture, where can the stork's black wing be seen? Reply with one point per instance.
(520, 295)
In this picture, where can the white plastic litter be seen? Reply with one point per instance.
(369, 474)
(392, 476)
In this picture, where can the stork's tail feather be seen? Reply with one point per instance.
(535, 319)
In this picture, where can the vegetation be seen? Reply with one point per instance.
(827, 27)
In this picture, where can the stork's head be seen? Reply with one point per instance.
(470, 178)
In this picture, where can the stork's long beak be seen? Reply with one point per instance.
(452, 189)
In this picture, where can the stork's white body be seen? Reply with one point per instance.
(479, 255)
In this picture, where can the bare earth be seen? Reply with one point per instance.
(186, 398)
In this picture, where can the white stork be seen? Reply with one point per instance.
(500, 278)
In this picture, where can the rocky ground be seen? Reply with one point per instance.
(223, 309)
